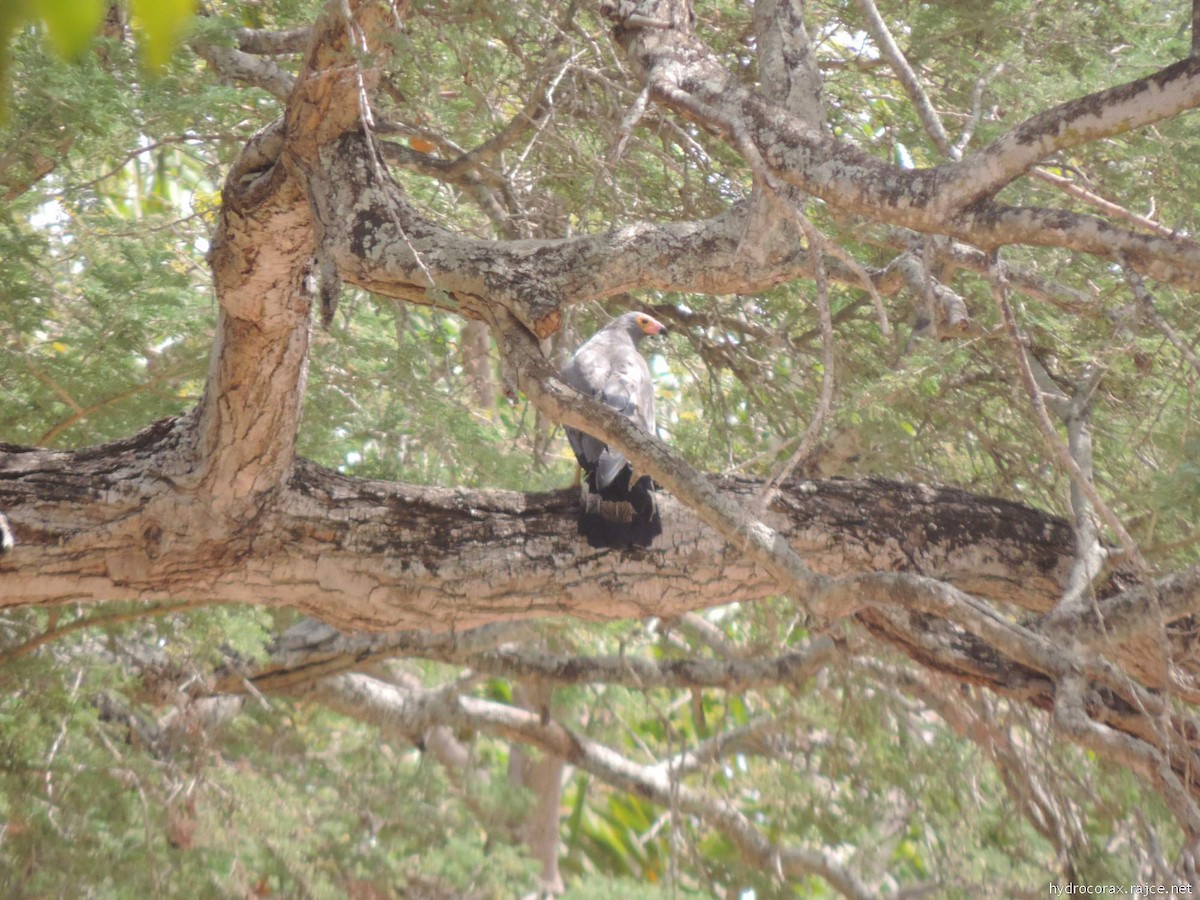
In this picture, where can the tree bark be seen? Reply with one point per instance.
(386, 556)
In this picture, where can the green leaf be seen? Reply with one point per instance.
(70, 24)
(11, 15)
(161, 23)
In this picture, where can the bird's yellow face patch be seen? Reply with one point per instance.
(649, 325)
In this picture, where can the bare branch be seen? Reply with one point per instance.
(951, 317)
(949, 199)
(237, 65)
(533, 115)
(1075, 414)
(976, 115)
(1061, 452)
(314, 650)
(1071, 716)
(1118, 619)
(1146, 302)
(52, 634)
(912, 84)
(338, 547)
(1105, 113)
(1067, 186)
(273, 43)
(816, 424)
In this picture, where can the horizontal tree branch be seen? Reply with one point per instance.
(312, 649)
(109, 523)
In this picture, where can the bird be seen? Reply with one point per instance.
(619, 509)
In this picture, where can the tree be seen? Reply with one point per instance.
(898, 243)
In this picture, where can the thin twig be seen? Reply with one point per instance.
(816, 248)
(1067, 186)
(839, 253)
(1062, 454)
(140, 151)
(1146, 301)
(54, 634)
(976, 116)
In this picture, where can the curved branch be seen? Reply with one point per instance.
(262, 256)
(382, 243)
(949, 199)
(1112, 111)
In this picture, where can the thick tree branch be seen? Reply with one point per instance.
(89, 526)
(261, 256)
(1136, 104)
(786, 62)
(1175, 261)
(274, 43)
(237, 65)
(1134, 612)
(908, 78)
(387, 246)
(949, 199)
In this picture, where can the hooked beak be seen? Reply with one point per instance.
(653, 326)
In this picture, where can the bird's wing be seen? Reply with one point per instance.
(624, 389)
(583, 372)
(610, 369)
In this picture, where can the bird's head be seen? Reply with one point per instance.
(639, 324)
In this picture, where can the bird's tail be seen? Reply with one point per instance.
(620, 515)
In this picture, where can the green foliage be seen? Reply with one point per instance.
(70, 26)
(360, 817)
(373, 411)
(146, 800)
(161, 23)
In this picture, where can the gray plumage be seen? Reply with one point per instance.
(609, 368)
